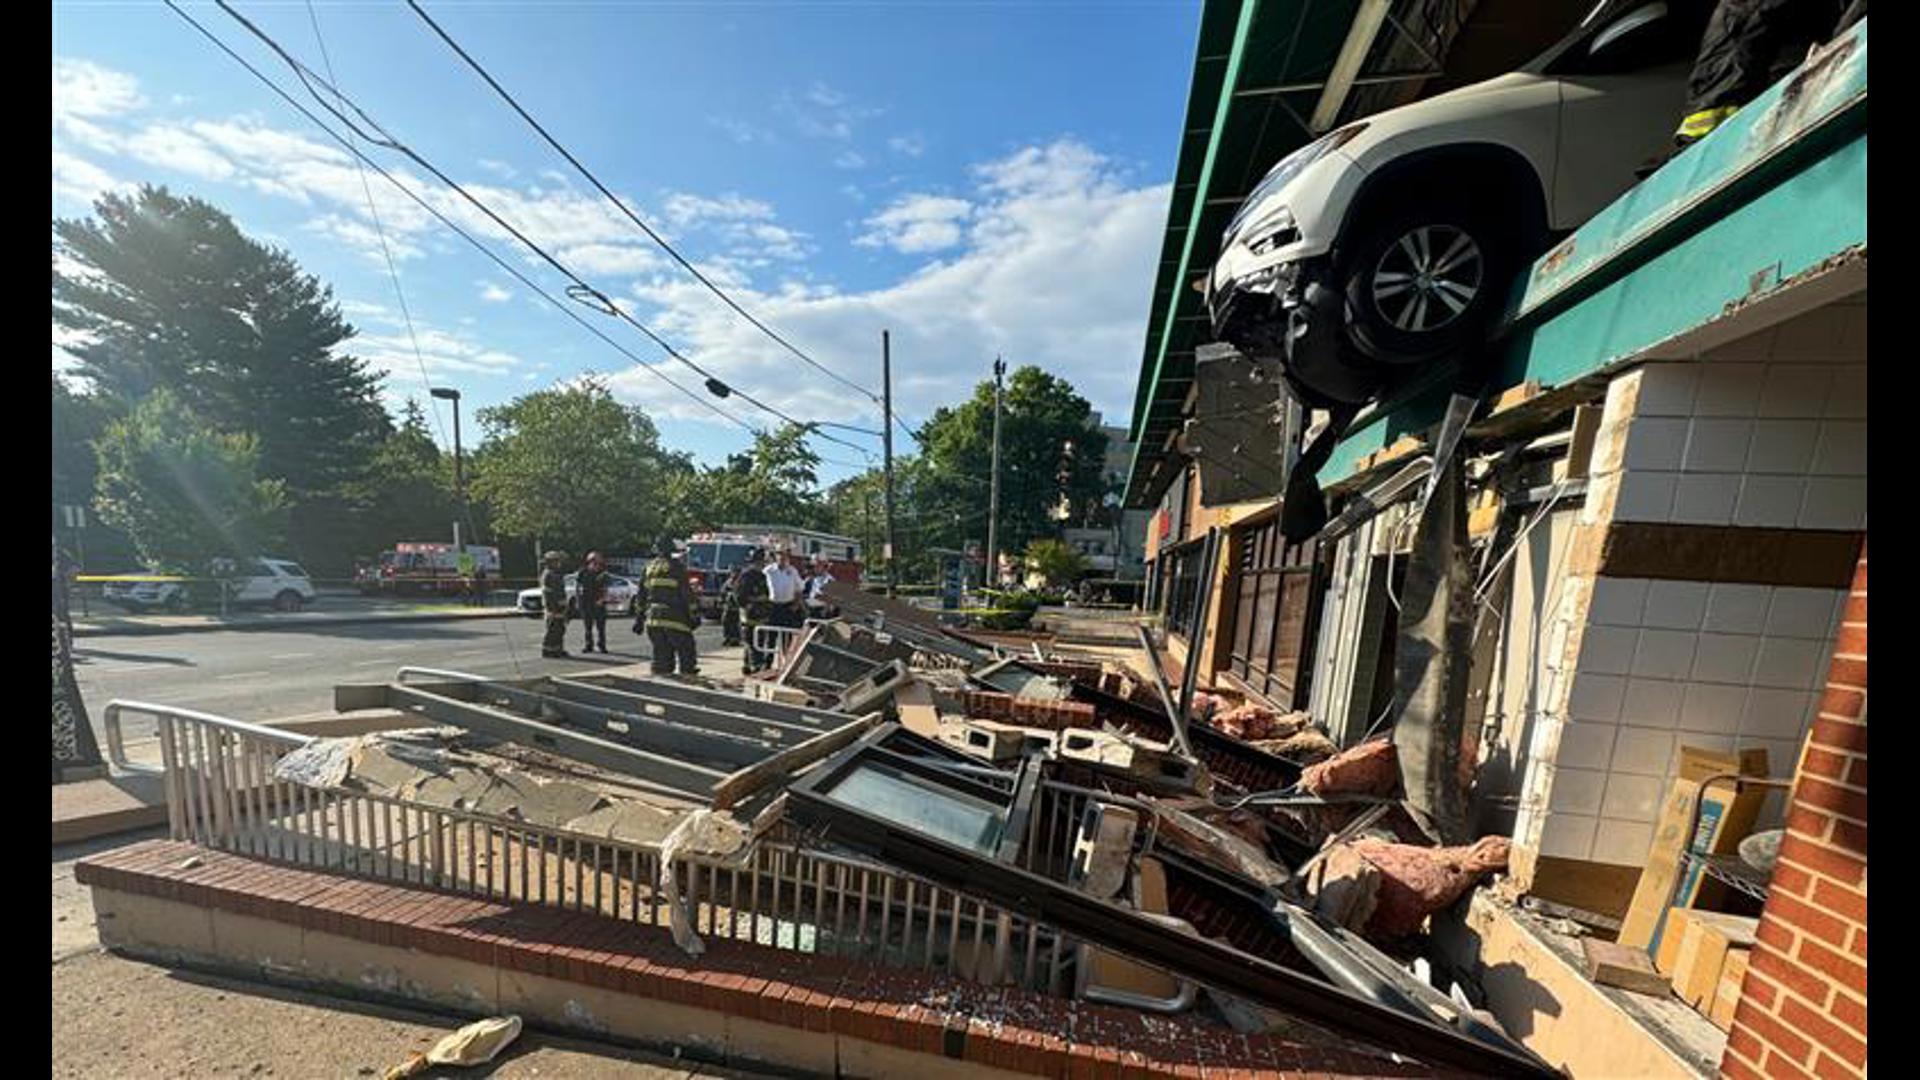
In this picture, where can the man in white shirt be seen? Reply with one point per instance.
(784, 589)
(816, 585)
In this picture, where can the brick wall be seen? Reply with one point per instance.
(1803, 1010)
(1026, 712)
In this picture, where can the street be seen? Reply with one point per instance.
(268, 674)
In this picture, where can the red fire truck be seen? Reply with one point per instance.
(711, 555)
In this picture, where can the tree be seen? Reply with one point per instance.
(1056, 562)
(574, 468)
(183, 492)
(1050, 461)
(167, 293)
(408, 488)
(773, 483)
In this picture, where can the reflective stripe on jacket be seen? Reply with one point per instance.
(669, 598)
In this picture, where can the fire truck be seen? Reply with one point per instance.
(422, 568)
(711, 555)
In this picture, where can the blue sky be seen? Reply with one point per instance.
(977, 178)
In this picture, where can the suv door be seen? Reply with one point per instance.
(1622, 90)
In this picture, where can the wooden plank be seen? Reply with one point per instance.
(1710, 935)
(738, 785)
(1726, 998)
(1612, 964)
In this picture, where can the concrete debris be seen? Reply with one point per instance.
(322, 763)
(1103, 850)
(1371, 768)
(627, 822)
(1308, 746)
(1387, 890)
(1186, 833)
(711, 837)
(552, 803)
(1253, 722)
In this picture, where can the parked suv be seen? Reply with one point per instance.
(276, 582)
(1392, 241)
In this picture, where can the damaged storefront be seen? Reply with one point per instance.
(1596, 589)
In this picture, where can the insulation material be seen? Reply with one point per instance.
(1308, 746)
(1371, 768)
(1253, 721)
(1415, 882)
(711, 837)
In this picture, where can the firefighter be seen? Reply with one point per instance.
(553, 600)
(671, 616)
(750, 593)
(1749, 45)
(730, 609)
(591, 592)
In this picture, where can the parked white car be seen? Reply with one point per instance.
(1391, 241)
(622, 596)
(277, 582)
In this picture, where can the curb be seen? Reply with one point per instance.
(270, 624)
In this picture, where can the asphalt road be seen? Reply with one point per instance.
(271, 674)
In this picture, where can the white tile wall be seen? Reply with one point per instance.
(1766, 431)
(1622, 843)
(1664, 654)
(1675, 605)
(1652, 703)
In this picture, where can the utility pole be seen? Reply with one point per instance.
(886, 446)
(446, 393)
(993, 499)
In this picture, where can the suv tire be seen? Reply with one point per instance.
(1424, 280)
(287, 600)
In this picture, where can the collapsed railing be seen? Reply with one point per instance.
(222, 793)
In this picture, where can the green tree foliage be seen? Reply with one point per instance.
(408, 489)
(1050, 462)
(184, 492)
(575, 469)
(167, 293)
(776, 482)
(78, 422)
(1055, 561)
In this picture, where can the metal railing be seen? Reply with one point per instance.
(222, 792)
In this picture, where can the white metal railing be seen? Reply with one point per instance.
(222, 792)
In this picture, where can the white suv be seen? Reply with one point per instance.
(270, 581)
(1389, 242)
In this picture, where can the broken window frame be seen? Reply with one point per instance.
(1001, 882)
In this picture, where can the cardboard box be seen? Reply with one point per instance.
(1726, 817)
(1726, 998)
(1704, 943)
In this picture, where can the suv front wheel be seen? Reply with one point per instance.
(287, 600)
(1424, 281)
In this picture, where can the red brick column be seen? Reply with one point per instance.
(1803, 1010)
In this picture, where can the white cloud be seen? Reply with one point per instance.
(493, 293)
(741, 131)
(498, 168)
(442, 352)
(684, 209)
(848, 159)
(621, 259)
(918, 223)
(179, 149)
(364, 238)
(1056, 271)
(81, 180)
(822, 112)
(907, 145)
(84, 91)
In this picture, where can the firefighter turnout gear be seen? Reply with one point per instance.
(553, 601)
(750, 594)
(670, 618)
(591, 592)
(1748, 46)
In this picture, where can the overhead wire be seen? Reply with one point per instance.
(581, 290)
(626, 210)
(565, 309)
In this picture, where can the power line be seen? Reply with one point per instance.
(457, 230)
(581, 290)
(624, 209)
(380, 230)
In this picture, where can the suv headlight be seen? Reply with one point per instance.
(1274, 232)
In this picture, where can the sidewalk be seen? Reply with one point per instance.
(103, 619)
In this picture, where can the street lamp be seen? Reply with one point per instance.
(448, 393)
